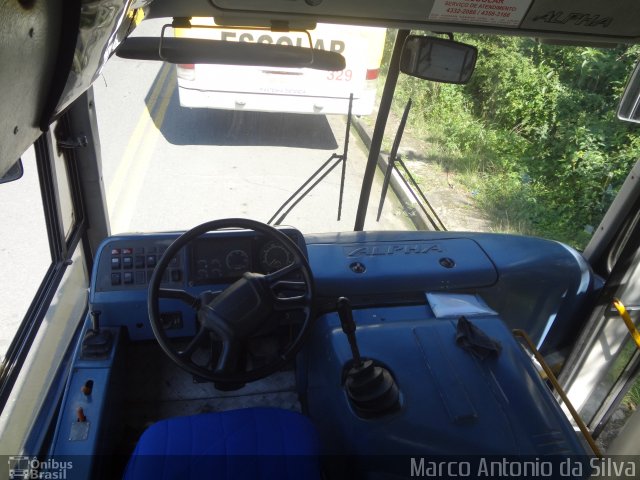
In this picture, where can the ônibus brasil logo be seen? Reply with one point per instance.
(24, 467)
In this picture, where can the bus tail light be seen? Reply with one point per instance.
(186, 71)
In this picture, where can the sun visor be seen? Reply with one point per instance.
(591, 17)
(103, 24)
(613, 22)
(29, 33)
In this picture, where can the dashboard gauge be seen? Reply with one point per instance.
(202, 271)
(237, 260)
(207, 270)
(202, 274)
(274, 257)
(215, 269)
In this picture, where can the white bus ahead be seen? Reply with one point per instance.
(269, 89)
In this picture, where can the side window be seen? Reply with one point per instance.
(43, 282)
(24, 248)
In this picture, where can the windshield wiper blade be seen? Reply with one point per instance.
(392, 157)
(300, 194)
(411, 184)
(318, 176)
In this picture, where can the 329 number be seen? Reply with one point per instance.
(343, 75)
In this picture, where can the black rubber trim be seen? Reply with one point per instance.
(70, 16)
(61, 253)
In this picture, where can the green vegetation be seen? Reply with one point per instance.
(632, 398)
(534, 134)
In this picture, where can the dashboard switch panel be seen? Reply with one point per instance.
(125, 264)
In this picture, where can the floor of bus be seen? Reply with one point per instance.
(154, 388)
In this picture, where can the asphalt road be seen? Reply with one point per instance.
(170, 168)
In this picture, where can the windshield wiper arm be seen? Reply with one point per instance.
(411, 184)
(392, 157)
(300, 193)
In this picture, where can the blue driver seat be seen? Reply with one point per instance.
(252, 443)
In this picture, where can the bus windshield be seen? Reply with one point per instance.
(204, 147)
(532, 149)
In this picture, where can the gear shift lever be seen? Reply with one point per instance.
(370, 386)
(349, 328)
(96, 342)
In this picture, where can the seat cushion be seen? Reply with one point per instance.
(253, 443)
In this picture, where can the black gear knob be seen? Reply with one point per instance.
(370, 386)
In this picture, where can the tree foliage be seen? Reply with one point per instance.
(536, 131)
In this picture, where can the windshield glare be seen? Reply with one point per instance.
(530, 145)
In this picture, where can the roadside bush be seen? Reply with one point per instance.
(534, 133)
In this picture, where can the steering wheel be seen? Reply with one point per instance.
(233, 316)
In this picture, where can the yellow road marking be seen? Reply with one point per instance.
(135, 176)
(115, 188)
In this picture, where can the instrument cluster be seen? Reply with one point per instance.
(225, 259)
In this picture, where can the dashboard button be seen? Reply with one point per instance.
(115, 279)
(151, 261)
(139, 261)
(127, 278)
(176, 275)
(115, 263)
(127, 251)
(127, 262)
(140, 280)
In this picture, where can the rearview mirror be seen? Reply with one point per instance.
(438, 59)
(629, 109)
(14, 173)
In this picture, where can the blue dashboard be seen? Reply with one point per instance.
(449, 401)
(125, 264)
(537, 285)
